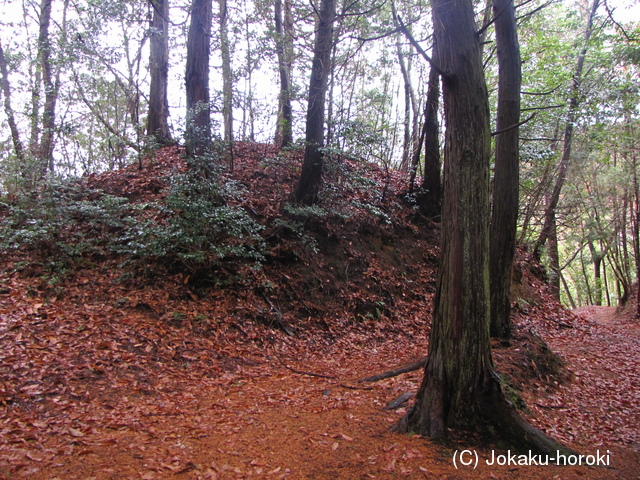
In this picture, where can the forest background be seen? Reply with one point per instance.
(77, 82)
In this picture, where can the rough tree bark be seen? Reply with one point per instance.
(502, 235)
(636, 226)
(306, 190)
(198, 131)
(284, 50)
(597, 257)
(158, 116)
(430, 200)
(45, 151)
(460, 388)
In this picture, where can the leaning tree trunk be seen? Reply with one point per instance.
(306, 190)
(506, 180)
(460, 388)
(158, 116)
(198, 131)
(574, 102)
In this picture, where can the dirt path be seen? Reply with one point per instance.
(603, 354)
(93, 394)
(263, 422)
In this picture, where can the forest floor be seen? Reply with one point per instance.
(101, 379)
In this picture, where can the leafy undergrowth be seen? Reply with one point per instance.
(120, 369)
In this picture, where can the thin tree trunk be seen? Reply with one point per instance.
(284, 50)
(568, 292)
(596, 258)
(45, 150)
(249, 104)
(410, 139)
(605, 282)
(227, 73)
(507, 162)
(406, 143)
(158, 116)
(586, 280)
(8, 109)
(431, 195)
(554, 259)
(636, 226)
(34, 136)
(574, 101)
(330, 121)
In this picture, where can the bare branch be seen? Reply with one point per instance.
(535, 10)
(542, 108)
(490, 22)
(542, 93)
(539, 139)
(417, 46)
(620, 27)
(365, 12)
(530, 117)
(96, 112)
(314, 8)
(371, 39)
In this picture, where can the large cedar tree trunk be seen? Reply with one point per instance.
(459, 365)
(158, 116)
(460, 388)
(306, 190)
(506, 179)
(198, 132)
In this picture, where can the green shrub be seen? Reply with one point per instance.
(196, 227)
(60, 219)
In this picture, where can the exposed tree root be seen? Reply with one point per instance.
(399, 401)
(302, 372)
(496, 420)
(514, 429)
(280, 323)
(398, 371)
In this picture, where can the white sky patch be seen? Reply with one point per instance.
(625, 11)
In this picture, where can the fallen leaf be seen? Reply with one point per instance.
(75, 432)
